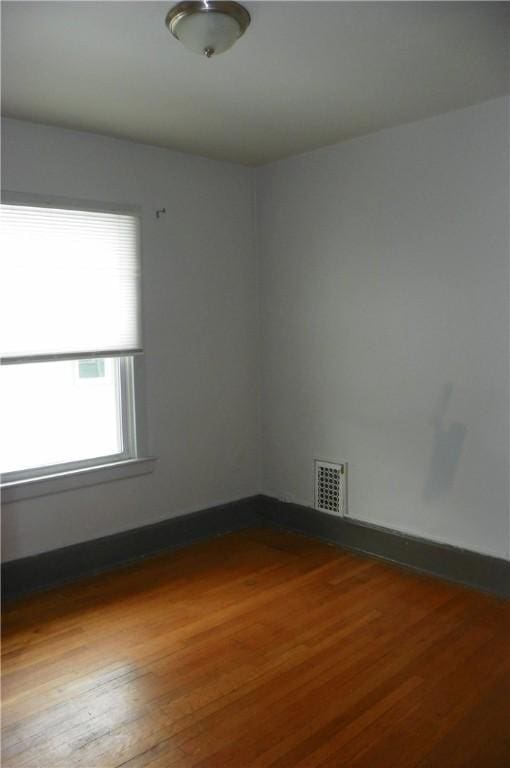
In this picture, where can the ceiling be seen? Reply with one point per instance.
(305, 74)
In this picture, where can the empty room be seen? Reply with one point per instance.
(255, 384)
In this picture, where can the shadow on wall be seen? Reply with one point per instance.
(446, 449)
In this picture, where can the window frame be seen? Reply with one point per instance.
(128, 430)
(134, 458)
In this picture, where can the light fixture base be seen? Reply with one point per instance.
(208, 27)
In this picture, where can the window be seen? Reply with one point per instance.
(70, 327)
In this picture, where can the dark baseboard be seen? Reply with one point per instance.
(59, 566)
(483, 572)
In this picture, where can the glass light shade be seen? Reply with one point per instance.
(202, 32)
(208, 27)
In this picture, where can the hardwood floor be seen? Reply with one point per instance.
(253, 650)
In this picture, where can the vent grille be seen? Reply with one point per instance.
(330, 487)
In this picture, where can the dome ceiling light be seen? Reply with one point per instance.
(208, 27)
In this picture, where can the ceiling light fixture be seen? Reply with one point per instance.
(208, 27)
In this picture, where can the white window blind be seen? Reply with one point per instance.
(70, 283)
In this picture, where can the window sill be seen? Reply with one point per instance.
(76, 478)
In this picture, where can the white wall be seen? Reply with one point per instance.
(385, 325)
(200, 322)
(383, 285)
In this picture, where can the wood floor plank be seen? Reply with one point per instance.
(257, 649)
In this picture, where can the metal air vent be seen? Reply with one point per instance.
(330, 487)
